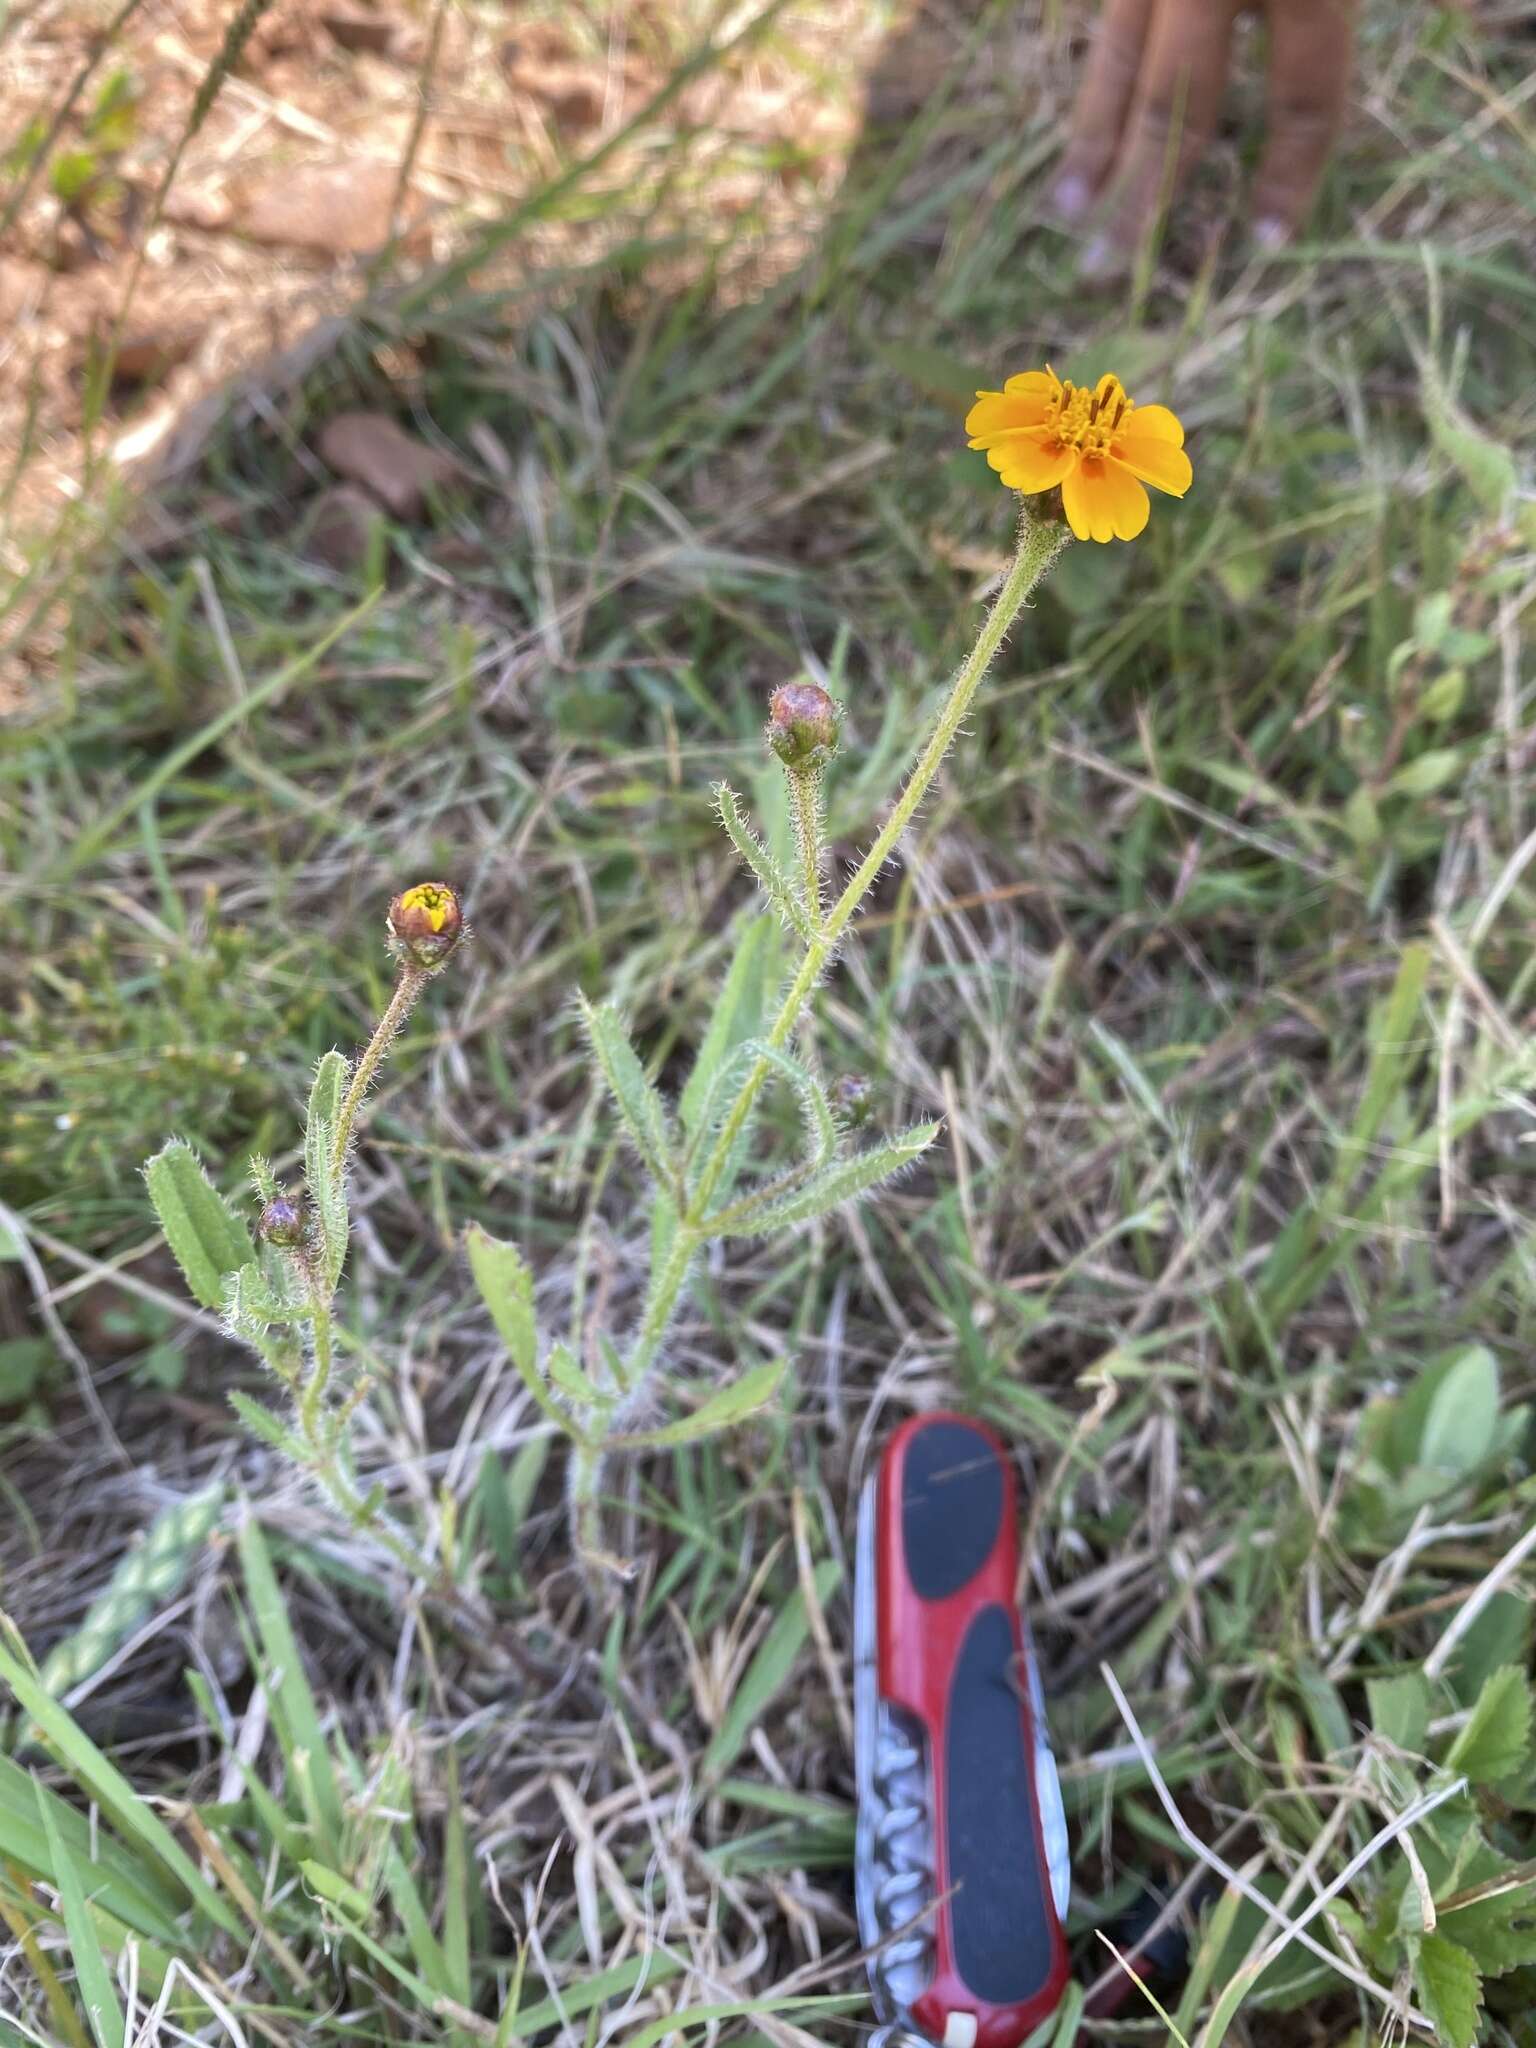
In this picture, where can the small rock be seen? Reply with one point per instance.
(369, 448)
(204, 209)
(339, 209)
(359, 28)
(340, 527)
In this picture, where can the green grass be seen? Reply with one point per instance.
(1213, 952)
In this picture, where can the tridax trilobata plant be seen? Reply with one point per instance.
(278, 1294)
(1079, 458)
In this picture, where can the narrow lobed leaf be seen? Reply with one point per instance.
(639, 1104)
(844, 1180)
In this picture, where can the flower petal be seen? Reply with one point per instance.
(1154, 461)
(1157, 423)
(1102, 501)
(1004, 412)
(1034, 384)
(1029, 462)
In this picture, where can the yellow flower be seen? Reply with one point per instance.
(426, 923)
(1100, 448)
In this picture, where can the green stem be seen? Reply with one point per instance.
(345, 1495)
(410, 985)
(312, 1399)
(1039, 545)
(805, 805)
(660, 1307)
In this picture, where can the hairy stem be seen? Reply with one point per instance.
(805, 808)
(410, 985)
(1039, 545)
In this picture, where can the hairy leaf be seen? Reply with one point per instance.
(325, 1174)
(207, 1238)
(771, 877)
(733, 1403)
(506, 1287)
(639, 1105)
(844, 1180)
(581, 1391)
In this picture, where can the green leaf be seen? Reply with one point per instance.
(771, 877)
(1463, 1414)
(767, 1674)
(639, 1105)
(566, 1375)
(1400, 1710)
(128, 1886)
(133, 1817)
(743, 1397)
(820, 1124)
(1450, 1987)
(1426, 773)
(308, 1756)
(506, 1287)
(24, 1363)
(72, 174)
(207, 1238)
(1487, 465)
(1501, 1634)
(933, 371)
(842, 1181)
(1440, 701)
(1499, 1933)
(325, 1175)
(335, 1889)
(736, 1017)
(1496, 1737)
(263, 1423)
(92, 1977)
(1362, 820)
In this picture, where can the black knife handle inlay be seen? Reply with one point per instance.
(951, 1506)
(1000, 1911)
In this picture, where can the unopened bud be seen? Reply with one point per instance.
(802, 726)
(282, 1222)
(425, 924)
(853, 1099)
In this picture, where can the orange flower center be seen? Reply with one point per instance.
(1088, 420)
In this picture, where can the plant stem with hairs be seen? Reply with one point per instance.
(696, 1170)
(278, 1295)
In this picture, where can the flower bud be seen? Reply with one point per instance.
(802, 726)
(425, 924)
(853, 1099)
(282, 1222)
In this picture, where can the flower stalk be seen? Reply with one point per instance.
(803, 733)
